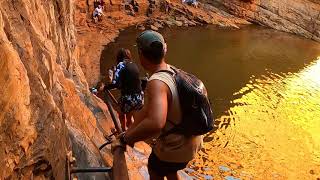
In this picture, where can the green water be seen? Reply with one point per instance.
(265, 89)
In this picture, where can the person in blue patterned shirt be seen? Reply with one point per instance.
(126, 78)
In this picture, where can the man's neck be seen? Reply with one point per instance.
(158, 67)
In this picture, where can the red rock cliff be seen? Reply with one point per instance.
(43, 94)
(296, 16)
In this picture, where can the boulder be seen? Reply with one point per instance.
(154, 28)
(157, 25)
(179, 23)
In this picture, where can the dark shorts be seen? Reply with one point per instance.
(163, 168)
(131, 102)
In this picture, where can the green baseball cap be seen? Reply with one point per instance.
(146, 38)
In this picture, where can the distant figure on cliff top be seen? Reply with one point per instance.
(97, 14)
(191, 2)
(164, 115)
(126, 78)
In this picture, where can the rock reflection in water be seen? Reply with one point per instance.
(273, 133)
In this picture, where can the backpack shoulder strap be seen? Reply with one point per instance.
(176, 127)
(172, 72)
(166, 71)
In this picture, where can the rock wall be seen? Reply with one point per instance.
(46, 109)
(296, 16)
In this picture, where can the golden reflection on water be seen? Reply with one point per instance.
(271, 132)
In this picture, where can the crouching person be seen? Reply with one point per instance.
(97, 14)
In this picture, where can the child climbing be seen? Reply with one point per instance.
(193, 3)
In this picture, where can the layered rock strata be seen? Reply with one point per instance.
(301, 17)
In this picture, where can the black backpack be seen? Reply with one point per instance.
(197, 115)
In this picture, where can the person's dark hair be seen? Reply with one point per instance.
(155, 53)
(123, 54)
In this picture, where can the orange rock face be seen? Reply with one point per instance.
(43, 94)
(297, 16)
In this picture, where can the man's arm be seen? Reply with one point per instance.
(139, 115)
(154, 113)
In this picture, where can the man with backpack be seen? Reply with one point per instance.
(177, 122)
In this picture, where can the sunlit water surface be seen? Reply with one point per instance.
(265, 89)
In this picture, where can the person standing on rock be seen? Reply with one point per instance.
(162, 109)
(126, 78)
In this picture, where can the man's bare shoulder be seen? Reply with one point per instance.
(156, 87)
